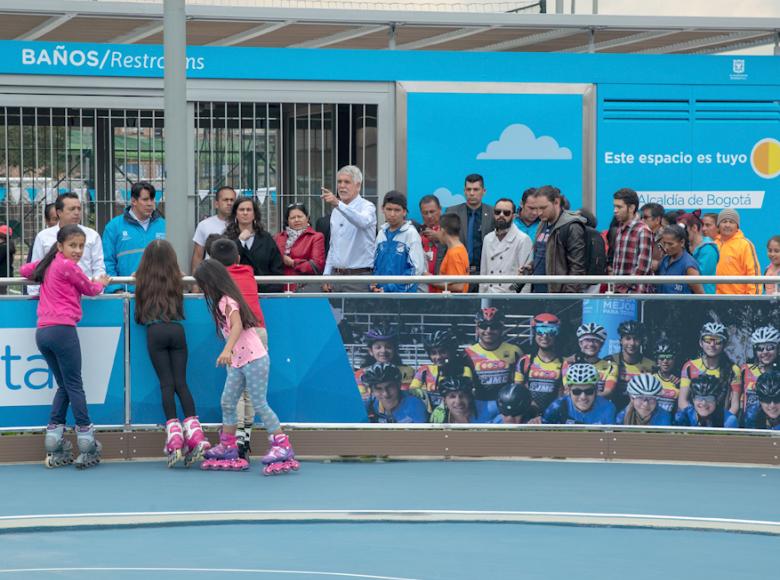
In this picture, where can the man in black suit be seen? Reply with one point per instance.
(476, 219)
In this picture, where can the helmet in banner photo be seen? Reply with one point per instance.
(581, 374)
(441, 339)
(381, 332)
(644, 385)
(592, 330)
(715, 329)
(765, 334)
(455, 384)
(707, 386)
(491, 316)
(379, 373)
(545, 323)
(514, 401)
(665, 348)
(768, 387)
(631, 328)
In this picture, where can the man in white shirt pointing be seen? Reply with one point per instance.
(352, 231)
(68, 207)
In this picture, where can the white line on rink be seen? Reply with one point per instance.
(210, 571)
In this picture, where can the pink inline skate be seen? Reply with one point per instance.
(224, 457)
(280, 457)
(174, 442)
(196, 443)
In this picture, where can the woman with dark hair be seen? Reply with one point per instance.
(703, 249)
(677, 262)
(256, 247)
(302, 249)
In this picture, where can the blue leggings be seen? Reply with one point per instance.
(253, 377)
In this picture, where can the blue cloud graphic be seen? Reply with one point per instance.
(447, 198)
(518, 142)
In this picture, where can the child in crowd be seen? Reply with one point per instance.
(225, 252)
(707, 409)
(773, 253)
(59, 310)
(643, 408)
(399, 249)
(159, 306)
(247, 365)
(382, 345)
(456, 260)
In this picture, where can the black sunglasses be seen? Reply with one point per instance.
(506, 212)
(588, 392)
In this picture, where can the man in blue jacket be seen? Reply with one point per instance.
(127, 235)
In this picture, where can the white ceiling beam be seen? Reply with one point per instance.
(343, 36)
(442, 38)
(46, 27)
(624, 41)
(703, 42)
(250, 34)
(529, 40)
(139, 33)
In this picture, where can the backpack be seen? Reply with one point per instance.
(595, 251)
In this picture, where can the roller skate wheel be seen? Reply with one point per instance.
(294, 465)
(174, 457)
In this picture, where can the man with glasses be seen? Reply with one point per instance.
(651, 215)
(494, 360)
(352, 231)
(560, 248)
(68, 208)
(583, 405)
(506, 250)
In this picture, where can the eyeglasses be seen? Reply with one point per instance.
(589, 392)
(765, 347)
(705, 398)
(665, 357)
(506, 212)
(546, 329)
(712, 341)
(640, 399)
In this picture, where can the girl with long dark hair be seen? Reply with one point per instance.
(59, 310)
(248, 366)
(159, 306)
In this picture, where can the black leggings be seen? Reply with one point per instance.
(168, 351)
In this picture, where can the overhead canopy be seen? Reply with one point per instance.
(225, 25)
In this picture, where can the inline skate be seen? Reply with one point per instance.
(89, 447)
(174, 442)
(59, 452)
(243, 438)
(280, 457)
(224, 456)
(195, 442)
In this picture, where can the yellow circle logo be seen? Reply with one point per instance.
(765, 158)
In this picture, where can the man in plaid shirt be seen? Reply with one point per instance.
(633, 254)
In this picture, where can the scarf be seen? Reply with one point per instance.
(292, 236)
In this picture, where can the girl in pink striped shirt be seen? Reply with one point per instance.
(59, 310)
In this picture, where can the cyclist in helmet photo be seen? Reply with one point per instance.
(386, 402)
(714, 362)
(494, 359)
(765, 413)
(707, 408)
(643, 408)
(458, 404)
(541, 373)
(764, 341)
(590, 339)
(583, 405)
(446, 360)
(630, 361)
(382, 346)
(668, 374)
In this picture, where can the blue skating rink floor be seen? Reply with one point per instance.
(423, 521)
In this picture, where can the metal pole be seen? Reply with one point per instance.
(176, 154)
